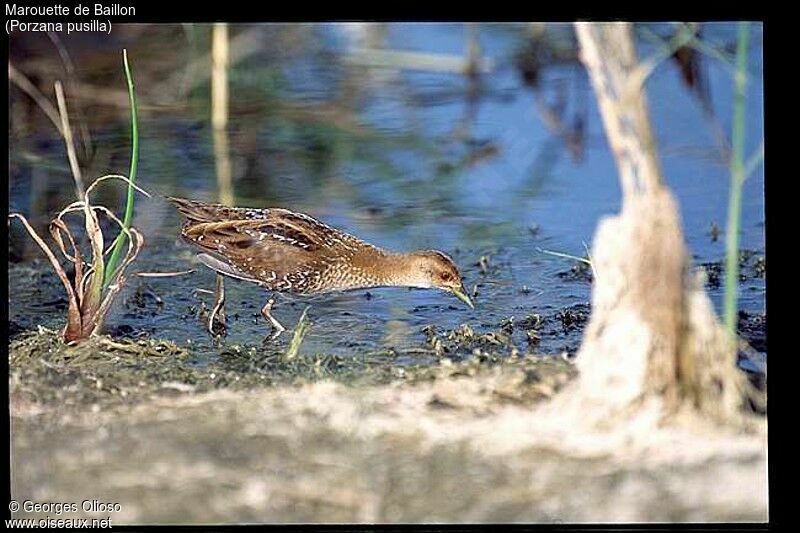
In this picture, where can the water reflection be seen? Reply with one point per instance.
(450, 136)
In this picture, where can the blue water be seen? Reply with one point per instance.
(400, 165)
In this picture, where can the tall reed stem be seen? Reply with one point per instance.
(737, 180)
(120, 240)
(220, 62)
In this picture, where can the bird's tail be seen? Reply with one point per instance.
(197, 211)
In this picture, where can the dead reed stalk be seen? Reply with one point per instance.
(66, 132)
(653, 331)
(219, 110)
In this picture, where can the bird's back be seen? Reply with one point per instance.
(279, 249)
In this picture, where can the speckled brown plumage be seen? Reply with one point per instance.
(286, 251)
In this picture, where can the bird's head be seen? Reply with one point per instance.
(434, 269)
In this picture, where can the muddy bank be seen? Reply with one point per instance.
(453, 441)
(328, 453)
(106, 372)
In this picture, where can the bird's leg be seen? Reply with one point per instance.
(266, 312)
(218, 312)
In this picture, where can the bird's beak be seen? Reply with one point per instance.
(461, 294)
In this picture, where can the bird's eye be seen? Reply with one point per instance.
(445, 276)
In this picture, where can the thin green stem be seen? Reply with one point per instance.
(737, 179)
(754, 161)
(565, 256)
(120, 240)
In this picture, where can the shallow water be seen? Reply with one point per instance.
(405, 159)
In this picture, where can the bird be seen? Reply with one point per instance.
(285, 251)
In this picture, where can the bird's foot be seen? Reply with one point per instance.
(273, 335)
(277, 327)
(216, 321)
(216, 324)
(217, 316)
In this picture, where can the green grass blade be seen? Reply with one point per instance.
(737, 179)
(300, 331)
(120, 240)
(567, 256)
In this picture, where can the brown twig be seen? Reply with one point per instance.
(73, 326)
(72, 77)
(66, 132)
(20, 80)
(164, 274)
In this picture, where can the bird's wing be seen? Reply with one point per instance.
(253, 235)
(275, 252)
(281, 224)
(278, 248)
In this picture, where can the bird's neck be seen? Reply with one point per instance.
(382, 268)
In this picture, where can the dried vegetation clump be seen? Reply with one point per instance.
(89, 298)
